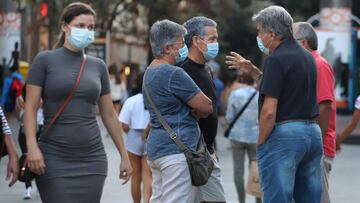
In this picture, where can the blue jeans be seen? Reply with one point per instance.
(290, 163)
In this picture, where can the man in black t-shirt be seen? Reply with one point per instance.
(201, 38)
(289, 148)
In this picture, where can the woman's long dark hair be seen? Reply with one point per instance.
(113, 70)
(139, 82)
(69, 13)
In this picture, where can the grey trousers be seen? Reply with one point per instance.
(238, 150)
(326, 168)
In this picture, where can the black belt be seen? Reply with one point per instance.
(311, 120)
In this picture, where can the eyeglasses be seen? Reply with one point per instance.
(182, 43)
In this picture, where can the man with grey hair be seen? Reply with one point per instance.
(305, 34)
(176, 96)
(201, 38)
(289, 147)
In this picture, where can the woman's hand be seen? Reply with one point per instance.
(35, 160)
(145, 135)
(19, 102)
(146, 132)
(125, 170)
(12, 169)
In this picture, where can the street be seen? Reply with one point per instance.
(344, 182)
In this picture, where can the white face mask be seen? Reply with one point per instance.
(81, 38)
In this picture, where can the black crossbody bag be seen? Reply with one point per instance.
(228, 130)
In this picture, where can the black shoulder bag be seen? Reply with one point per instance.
(200, 162)
(228, 130)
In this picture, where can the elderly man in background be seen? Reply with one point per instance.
(305, 34)
(289, 147)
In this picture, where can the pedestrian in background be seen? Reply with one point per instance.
(219, 84)
(15, 55)
(305, 34)
(13, 84)
(134, 120)
(201, 39)
(115, 86)
(70, 160)
(181, 103)
(289, 150)
(3, 70)
(21, 136)
(232, 84)
(245, 132)
(351, 125)
(8, 144)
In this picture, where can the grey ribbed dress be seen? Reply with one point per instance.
(76, 164)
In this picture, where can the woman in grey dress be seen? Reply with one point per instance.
(70, 159)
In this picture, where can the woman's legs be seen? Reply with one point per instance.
(146, 178)
(22, 144)
(28, 190)
(28, 184)
(136, 177)
(238, 151)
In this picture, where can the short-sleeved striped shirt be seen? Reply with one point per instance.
(5, 126)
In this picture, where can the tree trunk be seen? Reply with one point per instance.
(34, 29)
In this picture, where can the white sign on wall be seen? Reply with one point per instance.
(334, 46)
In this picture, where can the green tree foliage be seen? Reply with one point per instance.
(236, 30)
(238, 33)
(300, 10)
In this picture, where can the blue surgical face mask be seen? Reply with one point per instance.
(183, 53)
(261, 46)
(81, 38)
(212, 51)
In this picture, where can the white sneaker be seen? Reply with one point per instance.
(27, 194)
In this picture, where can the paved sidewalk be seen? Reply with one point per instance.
(344, 182)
